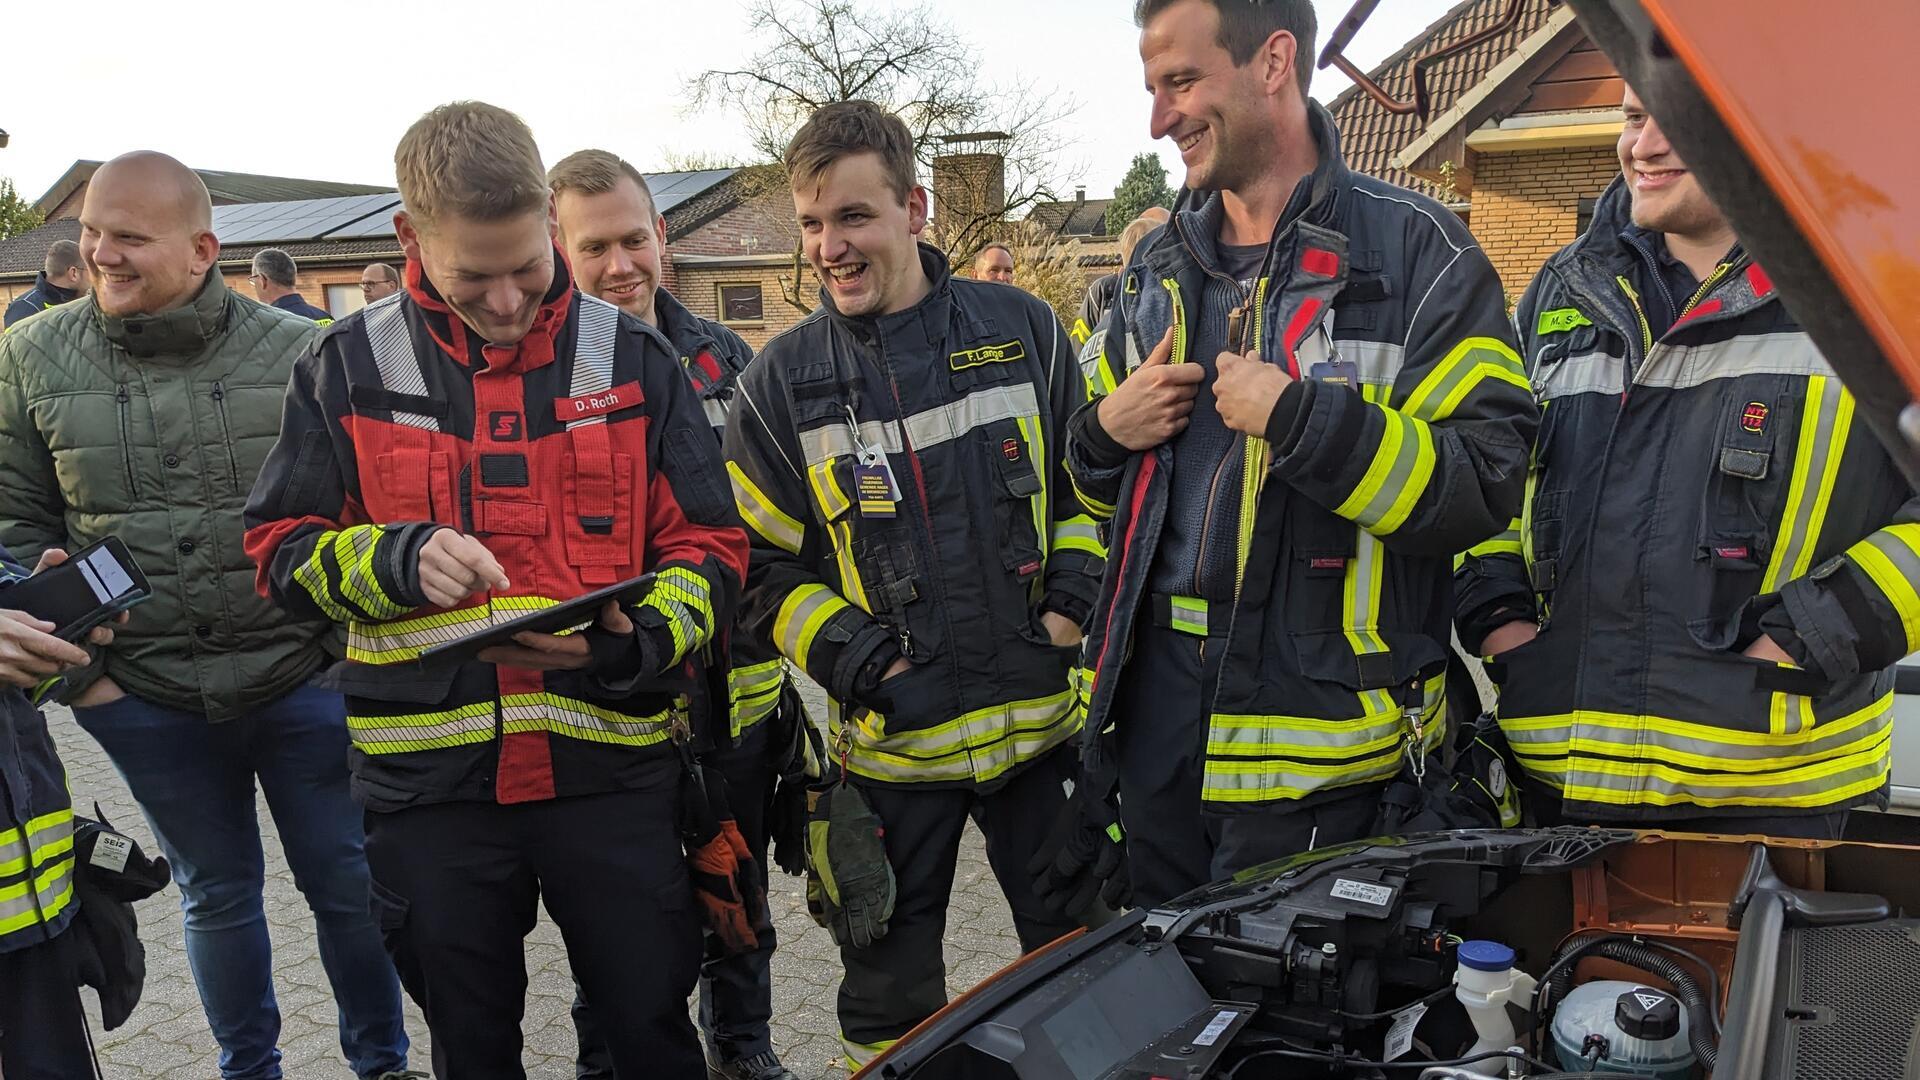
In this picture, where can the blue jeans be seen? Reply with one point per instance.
(194, 780)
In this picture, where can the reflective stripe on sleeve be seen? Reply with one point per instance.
(762, 516)
(798, 622)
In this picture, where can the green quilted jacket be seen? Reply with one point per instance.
(152, 428)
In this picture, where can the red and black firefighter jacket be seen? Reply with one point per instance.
(580, 456)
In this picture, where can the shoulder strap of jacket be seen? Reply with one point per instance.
(393, 355)
(593, 353)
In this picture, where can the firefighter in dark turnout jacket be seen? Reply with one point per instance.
(614, 239)
(1271, 634)
(1697, 615)
(483, 444)
(43, 1028)
(916, 550)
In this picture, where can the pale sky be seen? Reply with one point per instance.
(323, 91)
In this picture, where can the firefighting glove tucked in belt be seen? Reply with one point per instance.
(1084, 855)
(850, 886)
(798, 762)
(725, 878)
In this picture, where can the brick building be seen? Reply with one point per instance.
(329, 269)
(1520, 135)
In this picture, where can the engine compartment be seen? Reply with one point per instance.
(1515, 953)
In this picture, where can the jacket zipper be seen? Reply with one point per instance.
(919, 483)
(125, 399)
(1253, 469)
(226, 432)
(1239, 441)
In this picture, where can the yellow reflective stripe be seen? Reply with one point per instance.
(1471, 362)
(804, 611)
(1080, 331)
(1189, 615)
(1179, 355)
(1036, 447)
(683, 596)
(405, 639)
(1101, 511)
(1234, 781)
(773, 524)
(826, 489)
(44, 837)
(352, 552)
(860, 1054)
(1253, 473)
(1396, 477)
(1824, 426)
(1648, 782)
(1506, 543)
(38, 901)
(1078, 533)
(1376, 729)
(753, 692)
(1681, 736)
(1891, 560)
(978, 745)
(1360, 611)
(582, 720)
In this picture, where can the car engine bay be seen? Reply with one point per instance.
(1512, 953)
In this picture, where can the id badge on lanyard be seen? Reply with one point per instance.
(875, 490)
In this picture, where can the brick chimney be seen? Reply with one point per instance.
(969, 179)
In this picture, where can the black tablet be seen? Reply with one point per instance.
(575, 612)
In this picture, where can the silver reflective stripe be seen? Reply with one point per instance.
(1809, 475)
(41, 835)
(988, 743)
(928, 429)
(1378, 362)
(393, 354)
(1658, 785)
(370, 733)
(23, 903)
(523, 715)
(1657, 739)
(1678, 367)
(791, 631)
(1078, 528)
(593, 353)
(1588, 373)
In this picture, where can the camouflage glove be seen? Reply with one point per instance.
(850, 886)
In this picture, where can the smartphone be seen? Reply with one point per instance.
(95, 584)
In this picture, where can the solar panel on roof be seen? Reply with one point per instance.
(292, 222)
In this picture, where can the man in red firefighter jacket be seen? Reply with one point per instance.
(483, 444)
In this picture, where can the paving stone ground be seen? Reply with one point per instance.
(167, 1035)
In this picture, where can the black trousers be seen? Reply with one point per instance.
(900, 980)
(736, 992)
(1173, 845)
(457, 887)
(43, 1028)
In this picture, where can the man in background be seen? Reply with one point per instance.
(379, 281)
(994, 263)
(273, 276)
(62, 278)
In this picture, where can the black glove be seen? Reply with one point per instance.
(798, 762)
(1085, 855)
(850, 884)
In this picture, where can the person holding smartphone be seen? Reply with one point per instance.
(43, 1030)
(144, 413)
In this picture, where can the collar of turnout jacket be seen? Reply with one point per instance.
(901, 482)
(1407, 442)
(1687, 491)
(578, 455)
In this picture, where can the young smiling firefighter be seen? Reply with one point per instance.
(1272, 632)
(917, 551)
(483, 444)
(615, 239)
(1696, 619)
